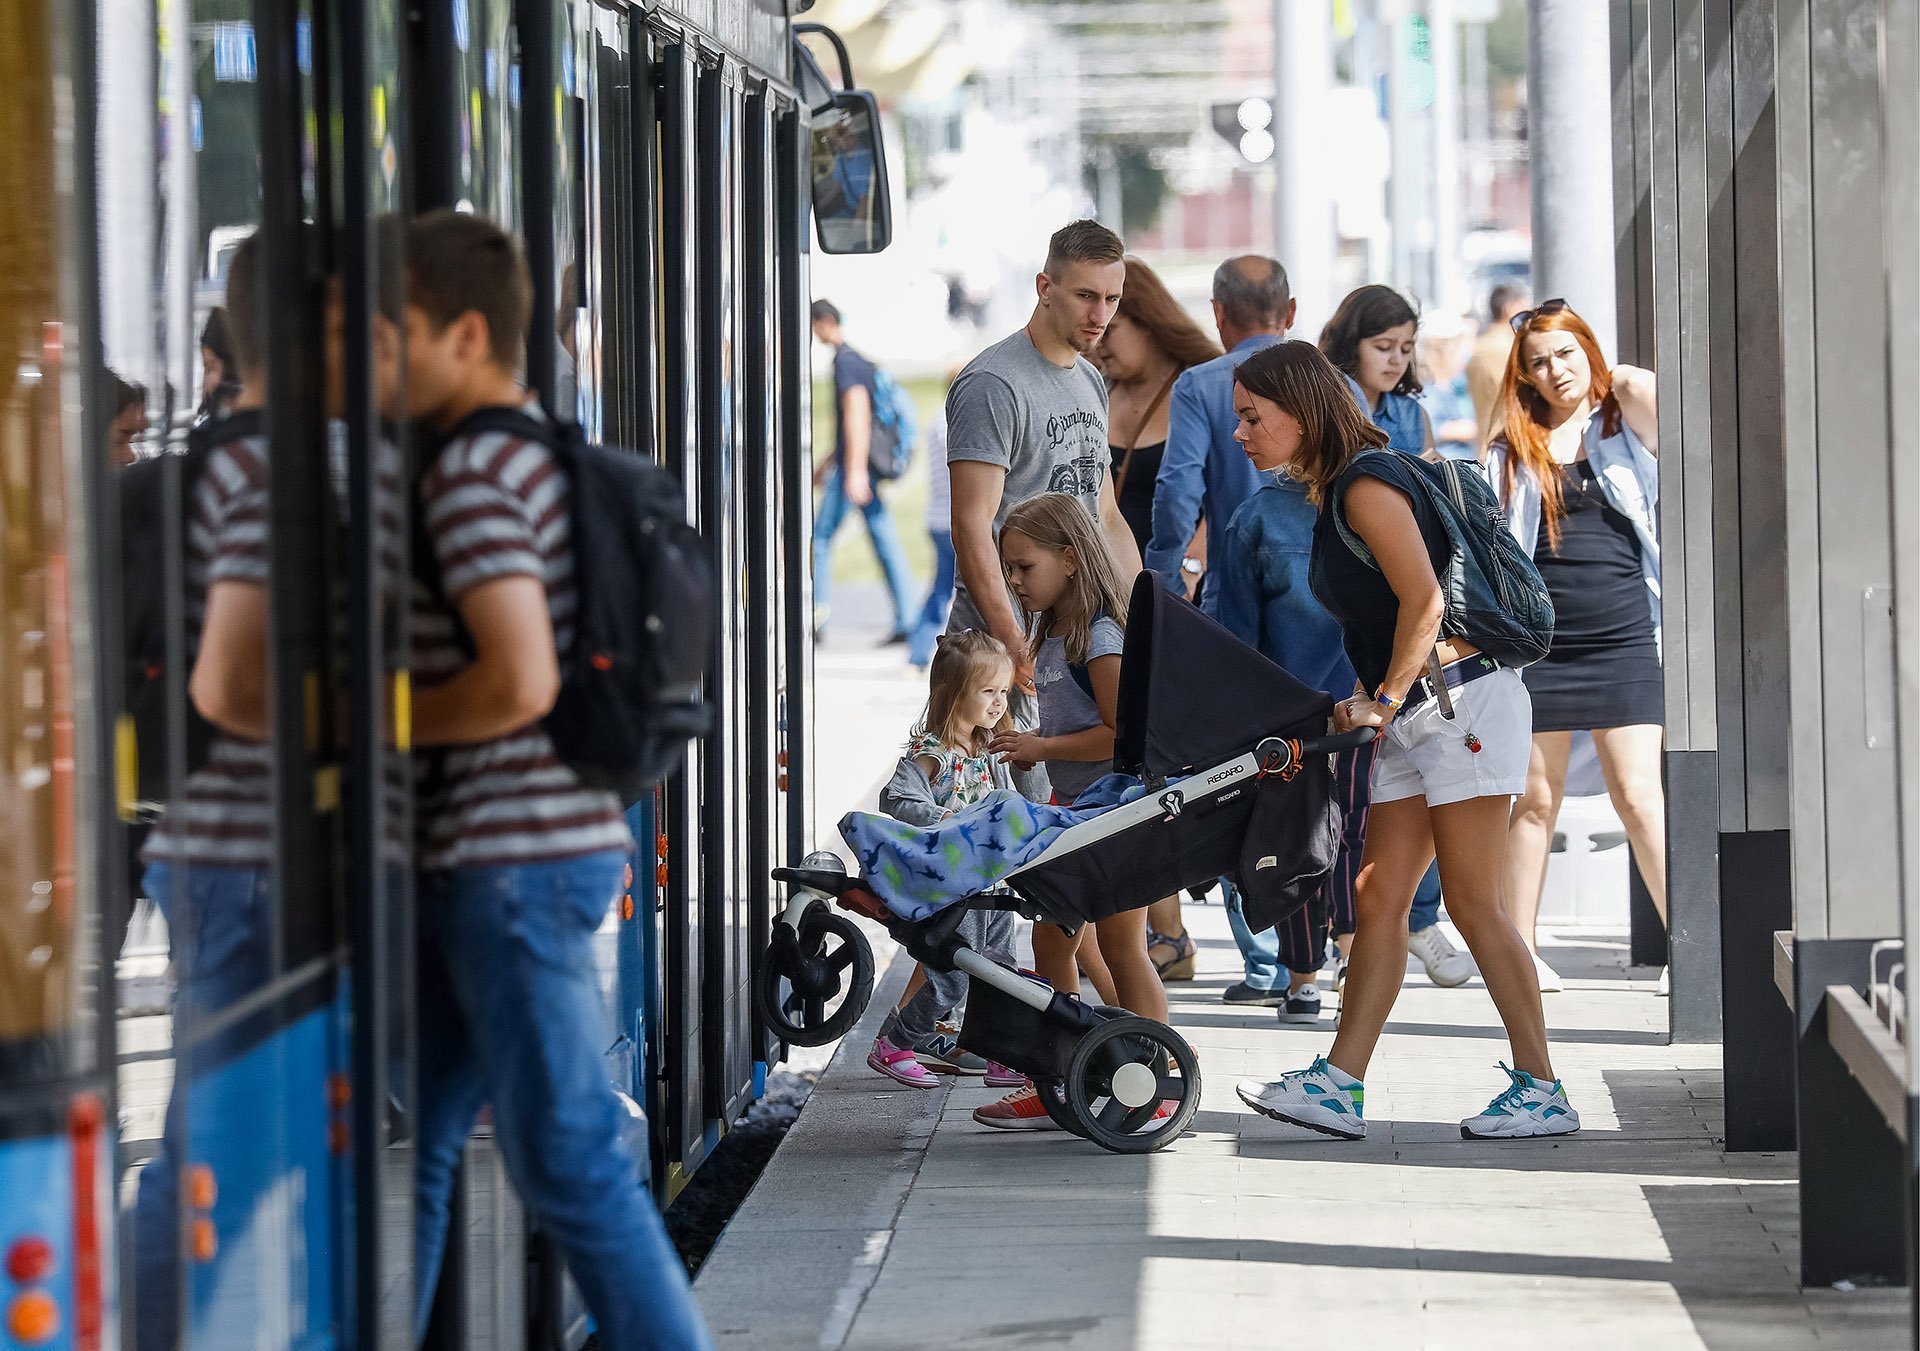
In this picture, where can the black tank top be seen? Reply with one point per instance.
(1355, 592)
(1599, 594)
(1136, 494)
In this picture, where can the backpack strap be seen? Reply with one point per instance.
(1078, 670)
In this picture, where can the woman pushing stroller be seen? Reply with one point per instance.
(1453, 745)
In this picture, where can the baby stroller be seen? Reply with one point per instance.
(1233, 757)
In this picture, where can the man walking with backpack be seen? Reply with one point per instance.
(873, 442)
(519, 858)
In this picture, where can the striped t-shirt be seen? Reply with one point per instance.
(224, 818)
(497, 505)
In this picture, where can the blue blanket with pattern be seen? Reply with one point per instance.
(918, 870)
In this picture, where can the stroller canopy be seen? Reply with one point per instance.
(1191, 694)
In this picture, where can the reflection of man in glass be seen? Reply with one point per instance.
(210, 857)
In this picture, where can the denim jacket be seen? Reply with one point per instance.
(1264, 599)
(1628, 474)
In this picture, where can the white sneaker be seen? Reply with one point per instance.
(1665, 988)
(1310, 1098)
(1549, 978)
(1446, 965)
(1527, 1108)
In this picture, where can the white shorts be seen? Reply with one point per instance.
(1424, 754)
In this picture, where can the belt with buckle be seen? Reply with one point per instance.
(1452, 678)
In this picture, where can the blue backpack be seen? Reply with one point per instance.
(1494, 596)
(896, 429)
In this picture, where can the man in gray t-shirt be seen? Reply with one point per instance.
(1029, 416)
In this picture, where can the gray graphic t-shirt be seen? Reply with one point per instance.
(1046, 425)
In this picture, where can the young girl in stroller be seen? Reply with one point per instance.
(1233, 784)
(949, 767)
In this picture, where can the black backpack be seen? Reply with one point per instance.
(145, 488)
(632, 689)
(1494, 596)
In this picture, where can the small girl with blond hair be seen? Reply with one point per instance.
(949, 767)
(1064, 577)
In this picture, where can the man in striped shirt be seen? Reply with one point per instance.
(519, 860)
(209, 859)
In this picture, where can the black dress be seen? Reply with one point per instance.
(1136, 494)
(1604, 668)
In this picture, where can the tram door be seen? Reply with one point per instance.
(256, 608)
(56, 1137)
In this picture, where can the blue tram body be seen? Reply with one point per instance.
(656, 159)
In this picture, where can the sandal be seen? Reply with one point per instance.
(1172, 956)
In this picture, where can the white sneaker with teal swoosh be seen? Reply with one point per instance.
(1312, 1098)
(1527, 1108)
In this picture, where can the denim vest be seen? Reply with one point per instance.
(1628, 474)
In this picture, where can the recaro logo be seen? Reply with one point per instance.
(1223, 776)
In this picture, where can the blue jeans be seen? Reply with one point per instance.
(218, 927)
(886, 546)
(511, 1014)
(933, 615)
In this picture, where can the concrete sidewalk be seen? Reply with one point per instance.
(890, 1220)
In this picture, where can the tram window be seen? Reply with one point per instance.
(851, 205)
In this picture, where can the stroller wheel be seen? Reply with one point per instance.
(1122, 1075)
(1053, 1097)
(815, 985)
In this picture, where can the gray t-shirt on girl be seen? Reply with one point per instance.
(1065, 708)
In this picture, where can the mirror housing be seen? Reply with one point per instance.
(852, 207)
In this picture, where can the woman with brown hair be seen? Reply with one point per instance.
(1576, 470)
(1149, 342)
(1448, 759)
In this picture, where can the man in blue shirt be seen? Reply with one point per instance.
(1203, 470)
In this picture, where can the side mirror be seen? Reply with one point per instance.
(852, 208)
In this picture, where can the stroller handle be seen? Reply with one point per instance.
(1278, 755)
(1341, 741)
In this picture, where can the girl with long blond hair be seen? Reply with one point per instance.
(1064, 577)
(1575, 467)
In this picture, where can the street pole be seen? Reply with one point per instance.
(1302, 203)
(1443, 27)
(1403, 180)
(1569, 93)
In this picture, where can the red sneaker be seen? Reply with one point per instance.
(1020, 1110)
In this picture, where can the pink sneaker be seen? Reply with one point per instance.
(899, 1064)
(999, 1076)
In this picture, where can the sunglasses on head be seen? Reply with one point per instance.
(1544, 308)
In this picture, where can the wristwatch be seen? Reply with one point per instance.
(1191, 566)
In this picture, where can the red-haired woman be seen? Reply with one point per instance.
(1576, 468)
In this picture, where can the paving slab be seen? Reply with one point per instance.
(889, 1219)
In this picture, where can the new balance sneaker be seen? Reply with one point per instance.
(942, 1054)
(1446, 965)
(1315, 1098)
(1002, 1076)
(1020, 1110)
(1302, 1006)
(1252, 996)
(1527, 1108)
(898, 1064)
